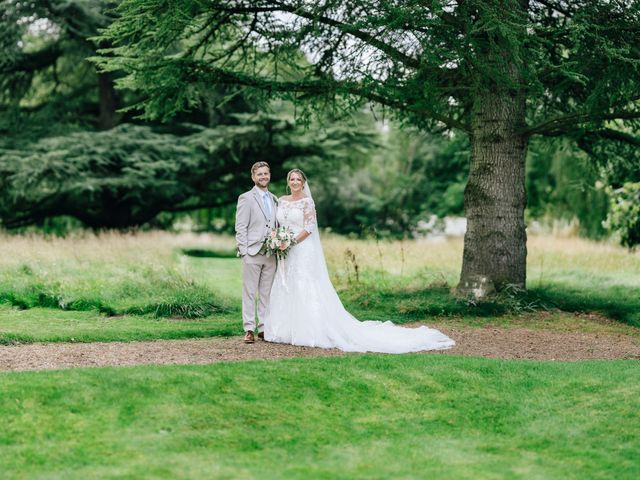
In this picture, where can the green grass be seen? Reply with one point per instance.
(47, 325)
(380, 296)
(123, 302)
(411, 280)
(220, 275)
(620, 303)
(371, 416)
(158, 285)
(205, 303)
(114, 274)
(113, 290)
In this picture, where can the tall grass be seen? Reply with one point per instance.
(192, 276)
(137, 273)
(412, 279)
(549, 258)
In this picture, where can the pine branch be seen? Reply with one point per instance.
(30, 62)
(616, 135)
(366, 37)
(564, 123)
(322, 87)
(555, 7)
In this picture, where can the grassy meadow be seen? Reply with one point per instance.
(361, 416)
(358, 416)
(412, 279)
(159, 285)
(114, 287)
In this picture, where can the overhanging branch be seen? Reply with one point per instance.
(321, 87)
(366, 37)
(564, 123)
(554, 6)
(30, 62)
(616, 135)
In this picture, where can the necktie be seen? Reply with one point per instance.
(267, 207)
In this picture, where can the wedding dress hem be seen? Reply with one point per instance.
(305, 309)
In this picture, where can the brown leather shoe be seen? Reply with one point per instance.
(248, 337)
(261, 336)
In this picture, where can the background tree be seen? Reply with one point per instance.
(498, 71)
(624, 217)
(65, 149)
(125, 176)
(395, 187)
(46, 83)
(564, 183)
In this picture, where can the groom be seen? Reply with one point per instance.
(255, 218)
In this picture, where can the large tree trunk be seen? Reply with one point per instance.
(495, 244)
(108, 117)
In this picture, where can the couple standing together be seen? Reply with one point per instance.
(296, 301)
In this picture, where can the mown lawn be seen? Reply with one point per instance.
(50, 325)
(370, 416)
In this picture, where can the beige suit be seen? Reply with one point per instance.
(258, 271)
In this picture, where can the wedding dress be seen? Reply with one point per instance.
(306, 310)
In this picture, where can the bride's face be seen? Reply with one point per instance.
(296, 184)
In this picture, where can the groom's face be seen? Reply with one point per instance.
(261, 177)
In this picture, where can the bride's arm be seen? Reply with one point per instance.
(302, 235)
(309, 214)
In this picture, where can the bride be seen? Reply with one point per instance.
(304, 306)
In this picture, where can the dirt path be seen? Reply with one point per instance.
(491, 342)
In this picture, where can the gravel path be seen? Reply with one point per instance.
(491, 342)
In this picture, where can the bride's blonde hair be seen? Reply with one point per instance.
(299, 172)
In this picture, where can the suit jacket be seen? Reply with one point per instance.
(252, 222)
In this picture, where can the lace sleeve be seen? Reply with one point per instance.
(309, 213)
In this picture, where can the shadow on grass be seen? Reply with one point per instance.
(48, 300)
(617, 303)
(188, 310)
(407, 305)
(206, 253)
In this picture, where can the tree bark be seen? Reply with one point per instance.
(495, 243)
(108, 117)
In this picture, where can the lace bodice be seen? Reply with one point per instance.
(298, 215)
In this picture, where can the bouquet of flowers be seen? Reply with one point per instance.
(279, 242)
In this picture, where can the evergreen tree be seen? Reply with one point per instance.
(500, 71)
(125, 176)
(46, 84)
(564, 183)
(66, 149)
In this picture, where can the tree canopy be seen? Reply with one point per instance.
(576, 61)
(554, 69)
(125, 176)
(500, 71)
(66, 149)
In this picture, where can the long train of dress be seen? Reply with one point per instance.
(306, 310)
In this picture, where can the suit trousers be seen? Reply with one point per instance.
(258, 272)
